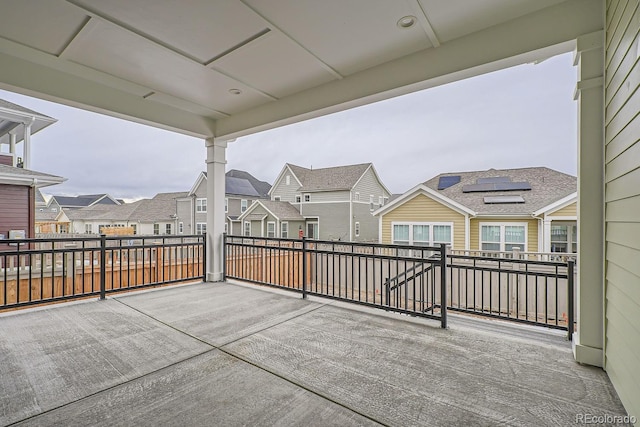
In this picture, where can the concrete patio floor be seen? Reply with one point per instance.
(228, 354)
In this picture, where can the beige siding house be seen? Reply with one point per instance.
(531, 209)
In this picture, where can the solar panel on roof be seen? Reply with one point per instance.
(489, 200)
(239, 186)
(448, 181)
(492, 180)
(498, 186)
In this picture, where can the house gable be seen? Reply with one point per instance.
(280, 189)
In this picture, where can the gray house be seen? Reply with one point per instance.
(241, 189)
(336, 203)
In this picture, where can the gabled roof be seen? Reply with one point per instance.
(547, 186)
(329, 179)
(429, 192)
(161, 208)
(237, 183)
(40, 201)
(19, 176)
(84, 200)
(283, 211)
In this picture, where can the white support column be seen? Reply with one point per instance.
(216, 163)
(26, 153)
(588, 341)
(12, 146)
(546, 230)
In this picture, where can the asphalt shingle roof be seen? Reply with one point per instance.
(547, 186)
(283, 210)
(160, 208)
(328, 179)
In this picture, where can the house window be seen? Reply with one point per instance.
(357, 229)
(247, 228)
(503, 237)
(201, 228)
(380, 200)
(307, 197)
(226, 227)
(243, 205)
(54, 209)
(271, 229)
(371, 202)
(422, 234)
(276, 198)
(88, 228)
(288, 179)
(180, 227)
(201, 205)
(226, 205)
(156, 228)
(564, 238)
(167, 228)
(356, 197)
(284, 230)
(297, 198)
(135, 228)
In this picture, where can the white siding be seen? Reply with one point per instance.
(622, 201)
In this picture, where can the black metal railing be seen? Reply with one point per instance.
(39, 271)
(366, 274)
(536, 292)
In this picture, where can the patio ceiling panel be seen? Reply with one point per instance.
(174, 65)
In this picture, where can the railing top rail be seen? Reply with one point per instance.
(508, 260)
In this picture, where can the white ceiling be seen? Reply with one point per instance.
(231, 67)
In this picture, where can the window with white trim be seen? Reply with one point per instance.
(135, 228)
(247, 228)
(287, 179)
(380, 200)
(307, 197)
(201, 205)
(226, 227)
(271, 229)
(243, 205)
(226, 205)
(564, 238)
(201, 228)
(88, 228)
(356, 197)
(422, 234)
(298, 198)
(167, 229)
(371, 202)
(156, 228)
(284, 230)
(180, 227)
(503, 237)
(276, 199)
(357, 229)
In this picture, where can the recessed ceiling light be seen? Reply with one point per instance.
(235, 91)
(406, 21)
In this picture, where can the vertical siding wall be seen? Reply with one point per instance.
(622, 200)
(424, 209)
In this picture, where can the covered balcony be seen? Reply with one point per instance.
(223, 70)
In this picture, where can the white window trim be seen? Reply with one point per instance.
(357, 228)
(180, 227)
(307, 197)
(356, 197)
(276, 198)
(283, 225)
(287, 180)
(430, 224)
(244, 228)
(226, 204)
(502, 234)
(298, 198)
(245, 203)
(274, 228)
(200, 226)
(199, 205)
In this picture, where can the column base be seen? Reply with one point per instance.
(214, 277)
(586, 355)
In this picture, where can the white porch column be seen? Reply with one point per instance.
(588, 341)
(26, 153)
(546, 230)
(12, 146)
(216, 162)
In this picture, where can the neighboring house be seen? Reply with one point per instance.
(47, 214)
(145, 217)
(531, 209)
(18, 184)
(336, 203)
(241, 190)
(267, 218)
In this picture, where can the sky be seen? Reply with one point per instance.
(523, 116)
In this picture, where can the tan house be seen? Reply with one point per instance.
(529, 209)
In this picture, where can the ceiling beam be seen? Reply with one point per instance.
(423, 19)
(532, 37)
